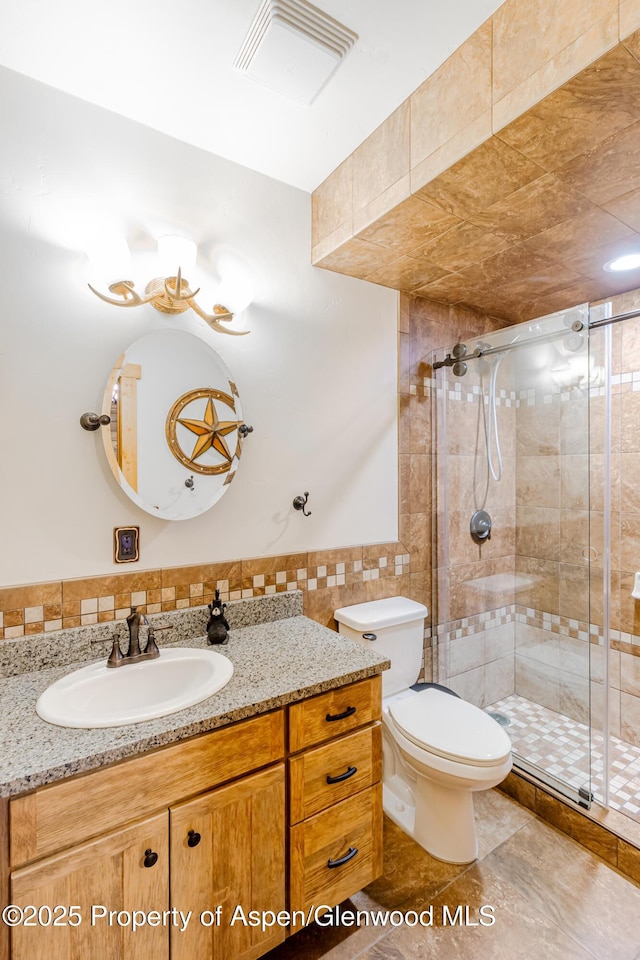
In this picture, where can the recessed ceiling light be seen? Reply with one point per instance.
(631, 261)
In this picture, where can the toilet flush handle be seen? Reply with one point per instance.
(369, 636)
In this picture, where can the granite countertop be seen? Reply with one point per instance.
(275, 663)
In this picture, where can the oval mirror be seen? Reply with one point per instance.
(175, 440)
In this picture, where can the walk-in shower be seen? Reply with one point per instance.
(537, 537)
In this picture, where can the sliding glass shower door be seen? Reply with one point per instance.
(512, 550)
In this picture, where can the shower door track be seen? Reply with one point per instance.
(581, 797)
(607, 321)
(450, 361)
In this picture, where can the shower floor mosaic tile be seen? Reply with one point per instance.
(560, 746)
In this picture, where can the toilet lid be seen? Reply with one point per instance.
(450, 727)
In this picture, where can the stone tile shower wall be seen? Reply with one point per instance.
(560, 638)
(425, 327)
(514, 610)
(476, 582)
(552, 546)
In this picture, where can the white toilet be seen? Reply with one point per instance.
(437, 748)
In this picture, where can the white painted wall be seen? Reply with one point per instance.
(316, 375)
(173, 70)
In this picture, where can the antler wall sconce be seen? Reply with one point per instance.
(170, 294)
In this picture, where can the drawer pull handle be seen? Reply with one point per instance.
(349, 855)
(150, 858)
(342, 776)
(193, 838)
(349, 712)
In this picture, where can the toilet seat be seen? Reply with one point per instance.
(450, 728)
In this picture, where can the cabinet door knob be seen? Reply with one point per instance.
(349, 855)
(150, 858)
(342, 776)
(193, 838)
(349, 712)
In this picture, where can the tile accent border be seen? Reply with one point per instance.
(427, 387)
(53, 606)
(551, 622)
(479, 622)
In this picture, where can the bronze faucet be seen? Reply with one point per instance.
(134, 654)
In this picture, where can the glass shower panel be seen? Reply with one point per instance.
(512, 539)
(604, 493)
(615, 506)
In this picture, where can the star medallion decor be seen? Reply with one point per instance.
(208, 431)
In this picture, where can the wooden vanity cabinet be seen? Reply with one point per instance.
(225, 848)
(149, 865)
(202, 824)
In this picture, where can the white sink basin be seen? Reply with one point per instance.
(100, 696)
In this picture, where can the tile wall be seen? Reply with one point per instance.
(624, 664)
(510, 195)
(425, 326)
(328, 579)
(515, 616)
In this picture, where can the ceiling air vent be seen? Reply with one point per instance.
(293, 48)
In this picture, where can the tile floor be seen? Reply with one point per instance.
(561, 747)
(552, 899)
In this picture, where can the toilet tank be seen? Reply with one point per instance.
(394, 628)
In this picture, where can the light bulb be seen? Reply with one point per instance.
(631, 261)
(109, 259)
(177, 252)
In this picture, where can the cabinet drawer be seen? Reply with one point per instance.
(337, 852)
(325, 775)
(331, 714)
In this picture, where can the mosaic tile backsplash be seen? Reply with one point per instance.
(45, 607)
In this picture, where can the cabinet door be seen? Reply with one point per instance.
(108, 872)
(228, 852)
